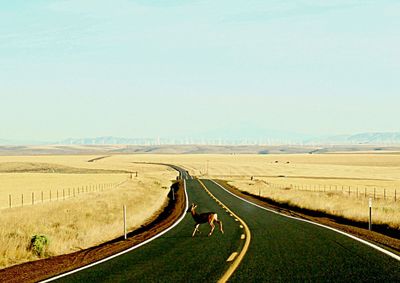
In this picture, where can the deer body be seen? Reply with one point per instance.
(208, 217)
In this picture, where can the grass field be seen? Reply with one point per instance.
(348, 179)
(95, 217)
(82, 221)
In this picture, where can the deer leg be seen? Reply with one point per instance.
(220, 226)
(212, 228)
(196, 228)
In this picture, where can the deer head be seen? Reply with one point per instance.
(192, 207)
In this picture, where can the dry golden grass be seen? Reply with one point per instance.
(87, 219)
(18, 184)
(360, 172)
(96, 217)
(332, 202)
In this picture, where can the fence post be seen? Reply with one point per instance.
(395, 191)
(374, 192)
(124, 222)
(33, 198)
(63, 194)
(365, 192)
(384, 194)
(349, 190)
(22, 199)
(42, 196)
(9, 200)
(370, 215)
(57, 194)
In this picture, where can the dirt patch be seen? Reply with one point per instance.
(46, 268)
(98, 158)
(382, 235)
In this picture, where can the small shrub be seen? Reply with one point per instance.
(39, 244)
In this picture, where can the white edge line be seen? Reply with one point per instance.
(318, 224)
(125, 251)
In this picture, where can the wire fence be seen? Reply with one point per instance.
(389, 194)
(40, 197)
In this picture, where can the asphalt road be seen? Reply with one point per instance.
(284, 249)
(281, 249)
(175, 256)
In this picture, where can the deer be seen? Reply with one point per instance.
(208, 217)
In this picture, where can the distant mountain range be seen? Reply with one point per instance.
(362, 138)
(104, 140)
(387, 138)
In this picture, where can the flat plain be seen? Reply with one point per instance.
(82, 220)
(336, 183)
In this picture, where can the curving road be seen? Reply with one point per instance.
(285, 249)
(281, 249)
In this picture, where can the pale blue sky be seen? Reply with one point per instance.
(159, 68)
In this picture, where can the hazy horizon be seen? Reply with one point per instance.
(73, 69)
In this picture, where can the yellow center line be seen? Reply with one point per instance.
(237, 259)
(232, 257)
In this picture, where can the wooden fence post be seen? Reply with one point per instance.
(370, 215)
(42, 196)
(33, 198)
(124, 222)
(9, 200)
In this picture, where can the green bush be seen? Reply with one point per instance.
(39, 244)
